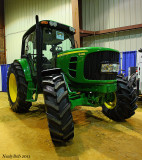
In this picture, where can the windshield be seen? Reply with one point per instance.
(56, 41)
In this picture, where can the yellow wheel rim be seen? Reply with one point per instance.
(111, 105)
(12, 87)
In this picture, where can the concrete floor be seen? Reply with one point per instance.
(26, 136)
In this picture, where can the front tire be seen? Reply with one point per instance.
(17, 88)
(126, 100)
(57, 107)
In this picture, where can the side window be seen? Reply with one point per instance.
(30, 44)
(66, 45)
(46, 49)
(47, 52)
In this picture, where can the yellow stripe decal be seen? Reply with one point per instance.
(71, 53)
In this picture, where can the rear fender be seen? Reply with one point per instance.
(26, 68)
(27, 72)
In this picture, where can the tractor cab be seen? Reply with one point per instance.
(41, 44)
(43, 41)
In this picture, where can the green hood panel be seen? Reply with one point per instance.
(64, 61)
(85, 50)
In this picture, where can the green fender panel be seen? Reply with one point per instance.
(26, 68)
(31, 87)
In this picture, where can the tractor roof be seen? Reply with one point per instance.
(51, 24)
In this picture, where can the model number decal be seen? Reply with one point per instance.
(80, 53)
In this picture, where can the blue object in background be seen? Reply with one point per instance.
(119, 64)
(4, 69)
(128, 60)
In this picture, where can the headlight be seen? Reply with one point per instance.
(110, 68)
(72, 29)
(52, 23)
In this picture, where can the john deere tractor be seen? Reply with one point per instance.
(67, 77)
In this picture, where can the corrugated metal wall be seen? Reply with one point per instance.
(106, 14)
(20, 15)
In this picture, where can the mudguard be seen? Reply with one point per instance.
(26, 68)
(27, 72)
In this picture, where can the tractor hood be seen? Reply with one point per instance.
(84, 51)
(83, 66)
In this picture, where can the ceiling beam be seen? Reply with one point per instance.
(86, 33)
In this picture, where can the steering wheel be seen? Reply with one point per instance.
(56, 49)
(59, 49)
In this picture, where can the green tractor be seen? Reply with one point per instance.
(67, 77)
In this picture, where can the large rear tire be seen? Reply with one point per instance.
(17, 89)
(57, 107)
(126, 100)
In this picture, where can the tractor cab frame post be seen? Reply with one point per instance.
(39, 53)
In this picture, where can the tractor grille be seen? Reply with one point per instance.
(72, 66)
(92, 65)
